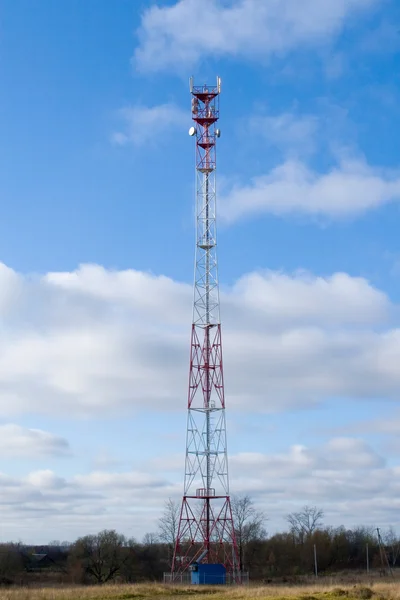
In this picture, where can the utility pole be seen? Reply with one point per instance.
(315, 560)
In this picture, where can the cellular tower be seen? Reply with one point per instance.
(206, 531)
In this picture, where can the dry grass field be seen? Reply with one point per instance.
(318, 591)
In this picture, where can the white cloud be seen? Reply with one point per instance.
(338, 455)
(386, 425)
(350, 453)
(339, 476)
(302, 297)
(349, 189)
(144, 124)
(81, 504)
(289, 132)
(10, 288)
(17, 441)
(100, 341)
(187, 31)
(131, 289)
(46, 479)
(132, 480)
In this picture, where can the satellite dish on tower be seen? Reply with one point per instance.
(192, 131)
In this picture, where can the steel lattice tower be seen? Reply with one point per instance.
(206, 531)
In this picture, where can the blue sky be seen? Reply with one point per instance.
(97, 247)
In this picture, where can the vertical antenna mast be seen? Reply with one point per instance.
(206, 531)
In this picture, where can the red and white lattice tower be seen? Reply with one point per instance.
(206, 532)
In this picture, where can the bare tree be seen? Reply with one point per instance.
(248, 523)
(101, 556)
(392, 544)
(149, 539)
(304, 523)
(11, 563)
(168, 526)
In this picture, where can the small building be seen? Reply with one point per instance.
(39, 562)
(208, 574)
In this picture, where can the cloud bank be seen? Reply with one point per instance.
(347, 190)
(96, 341)
(344, 476)
(17, 441)
(188, 31)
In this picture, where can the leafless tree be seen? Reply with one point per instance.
(248, 522)
(392, 545)
(149, 539)
(304, 523)
(168, 526)
(10, 562)
(101, 556)
(64, 544)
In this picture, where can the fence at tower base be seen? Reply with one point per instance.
(227, 579)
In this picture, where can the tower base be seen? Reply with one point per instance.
(185, 578)
(206, 533)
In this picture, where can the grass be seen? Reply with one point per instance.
(377, 591)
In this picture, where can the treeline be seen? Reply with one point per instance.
(109, 556)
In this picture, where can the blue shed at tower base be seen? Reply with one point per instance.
(208, 574)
